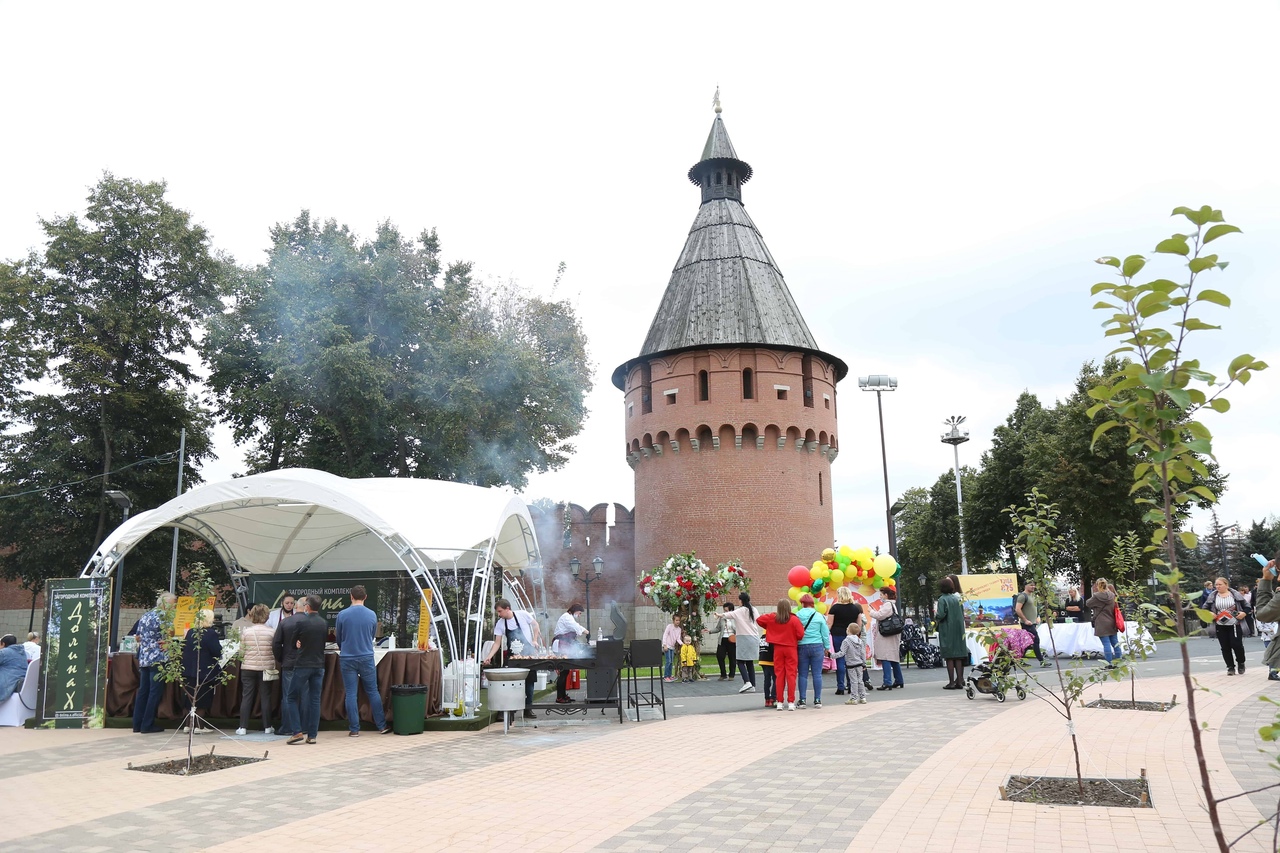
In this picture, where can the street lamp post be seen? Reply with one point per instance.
(879, 383)
(575, 566)
(956, 437)
(121, 500)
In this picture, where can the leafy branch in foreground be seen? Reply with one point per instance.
(1157, 395)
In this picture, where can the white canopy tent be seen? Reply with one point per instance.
(299, 520)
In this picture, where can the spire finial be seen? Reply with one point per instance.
(715, 102)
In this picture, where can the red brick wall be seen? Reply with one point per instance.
(763, 504)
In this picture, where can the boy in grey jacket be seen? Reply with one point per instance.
(855, 661)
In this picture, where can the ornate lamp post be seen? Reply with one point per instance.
(575, 566)
(880, 383)
(956, 437)
(121, 500)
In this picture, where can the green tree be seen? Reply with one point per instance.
(1004, 479)
(100, 319)
(1259, 539)
(372, 359)
(1156, 398)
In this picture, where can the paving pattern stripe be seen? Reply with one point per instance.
(804, 797)
(1247, 756)
(300, 794)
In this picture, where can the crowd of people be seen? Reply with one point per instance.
(291, 651)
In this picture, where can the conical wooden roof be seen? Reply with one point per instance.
(726, 289)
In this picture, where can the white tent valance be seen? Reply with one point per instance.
(300, 520)
(303, 520)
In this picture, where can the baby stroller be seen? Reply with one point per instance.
(925, 654)
(986, 676)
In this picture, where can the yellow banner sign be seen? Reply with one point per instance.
(185, 615)
(424, 620)
(989, 598)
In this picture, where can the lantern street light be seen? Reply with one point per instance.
(121, 500)
(879, 383)
(575, 566)
(956, 437)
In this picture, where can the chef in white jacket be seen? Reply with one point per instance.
(565, 641)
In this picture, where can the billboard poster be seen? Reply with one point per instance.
(392, 595)
(184, 615)
(988, 599)
(77, 626)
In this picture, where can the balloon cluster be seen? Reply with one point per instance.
(834, 569)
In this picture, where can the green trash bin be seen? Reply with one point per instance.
(408, 708)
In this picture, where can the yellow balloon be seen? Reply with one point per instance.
(817, 570)
(820, 606)
(885, 566)
(865, 557)
(846, 551)
(794, 593)
(837, 577)
(828, 554)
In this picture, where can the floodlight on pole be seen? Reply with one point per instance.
(878, 383)
(956, 437)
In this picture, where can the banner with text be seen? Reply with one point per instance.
(77, 619)
(988, 599)
(393, 596)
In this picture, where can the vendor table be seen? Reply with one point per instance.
(1070, 638)
(607, 672)
(407, 666)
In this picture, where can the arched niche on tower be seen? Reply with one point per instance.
(682, 441)
(772, 432)
(750, 437)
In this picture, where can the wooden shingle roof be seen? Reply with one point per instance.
(726, 289)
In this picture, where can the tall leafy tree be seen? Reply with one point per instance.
(1004, 480)
(372, 358)
(93, 331)
(1258, 539)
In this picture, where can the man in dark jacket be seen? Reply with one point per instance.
(285, 650)
(307, 634)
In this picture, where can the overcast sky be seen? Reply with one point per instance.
(934, 180)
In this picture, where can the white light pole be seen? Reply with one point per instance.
(880, 383)
(956, 437)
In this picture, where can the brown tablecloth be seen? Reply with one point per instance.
(407, 666)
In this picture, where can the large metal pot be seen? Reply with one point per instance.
(506, 688)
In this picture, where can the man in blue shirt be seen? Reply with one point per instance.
(355, 629)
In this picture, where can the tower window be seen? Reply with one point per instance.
(670, 394)
(718, 176)
(782, 393)
(704, 387)
(748, 385)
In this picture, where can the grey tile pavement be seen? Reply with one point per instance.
(1246, 755)
(803, 800)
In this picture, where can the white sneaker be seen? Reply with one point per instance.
(241, 732)
(791, 706)
(269, 731)
(817, 704)
(201, 730)
(747, 688)
(781, 706)
(862, 701)
(186, 730)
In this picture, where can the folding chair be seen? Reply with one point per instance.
(646, 653)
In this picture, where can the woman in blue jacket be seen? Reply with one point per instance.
(812, 648)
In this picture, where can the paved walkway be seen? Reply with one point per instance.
(916, 769)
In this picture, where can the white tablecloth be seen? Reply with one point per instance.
(1070, 638)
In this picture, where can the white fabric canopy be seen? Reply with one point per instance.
(304, 520)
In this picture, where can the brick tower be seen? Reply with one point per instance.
(730, 406)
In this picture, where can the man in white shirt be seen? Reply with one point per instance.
(516, 626)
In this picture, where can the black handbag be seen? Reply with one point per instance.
(893, 625)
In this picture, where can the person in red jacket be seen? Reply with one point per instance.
(783, 633)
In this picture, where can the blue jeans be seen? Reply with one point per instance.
(668, 660)
(891, 666)
(842, 673)
(289, 718)
(355, 671)
(307, 682)
(147, 699)
(810, 661)
(1110, 647)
